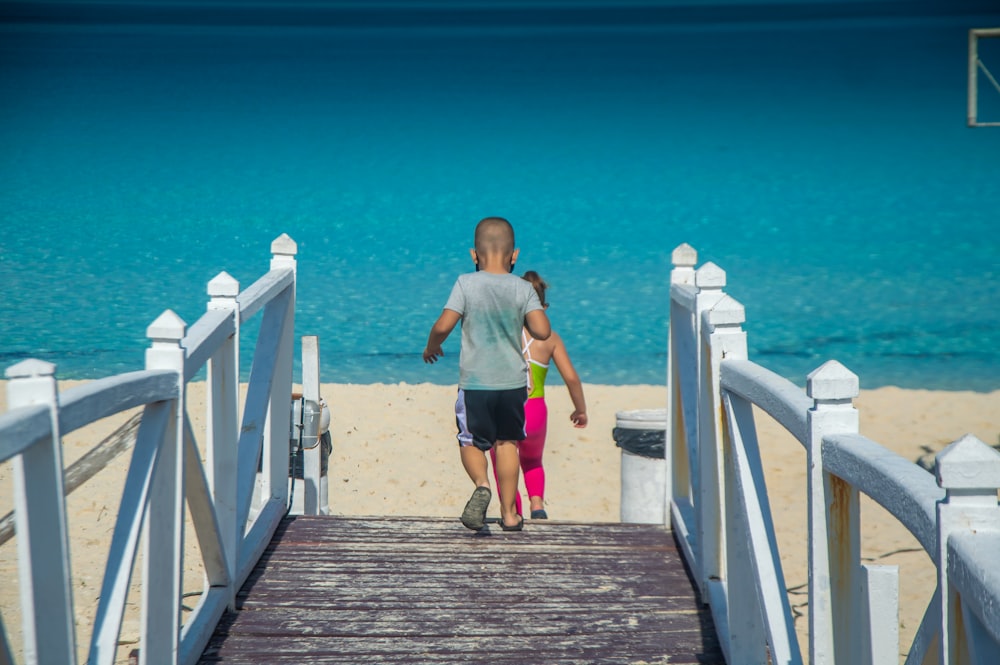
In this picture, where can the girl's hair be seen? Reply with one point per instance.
(539, 284)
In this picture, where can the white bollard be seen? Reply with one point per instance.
(641, 434)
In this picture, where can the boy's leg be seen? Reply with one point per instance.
(510, 430)
(474, 514)
(508, 465)
(496, 480)
(474, 461)
(469, 418)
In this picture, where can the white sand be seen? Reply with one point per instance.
(395, 454)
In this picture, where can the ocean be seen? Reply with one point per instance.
(824, 163)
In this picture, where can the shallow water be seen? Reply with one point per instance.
(825, 165)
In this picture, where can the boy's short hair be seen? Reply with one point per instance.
(494, 235)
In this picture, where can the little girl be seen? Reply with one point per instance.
(538, 353)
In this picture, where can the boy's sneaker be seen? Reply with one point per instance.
(539, 514)
(474, 515)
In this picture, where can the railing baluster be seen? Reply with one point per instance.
(710, 531)
(879, 636)
(164, 532)
(853, 609)
(678, 466)
(681, 490)
(40, 519)
(834, 522)
(276, 429)
(722, 337)
(152, 503)
(969, 472)
(314, 500)
(223, 375)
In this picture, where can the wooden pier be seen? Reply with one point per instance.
(427, 590)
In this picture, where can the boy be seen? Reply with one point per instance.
(493, 305)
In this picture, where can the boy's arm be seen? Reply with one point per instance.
(537, 324)
(439, 333)
(572, 381)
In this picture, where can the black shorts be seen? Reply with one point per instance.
(487, 416)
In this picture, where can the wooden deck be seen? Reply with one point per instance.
(427, 590)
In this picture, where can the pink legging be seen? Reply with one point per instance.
(536, 416)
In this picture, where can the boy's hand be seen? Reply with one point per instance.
(579, 418)
(439, 333)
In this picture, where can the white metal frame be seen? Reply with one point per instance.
(975, 66)
(233, 528)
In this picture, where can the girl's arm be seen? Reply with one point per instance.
(572, 381)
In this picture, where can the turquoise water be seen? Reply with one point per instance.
(825, 165)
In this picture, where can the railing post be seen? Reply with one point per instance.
(969, 472)
(283, 250)
(164, 525)
(677, 469)
(40, 519)
(726, 539)
(709, 279)
(314, 503)
(834, 523)
(223, 428)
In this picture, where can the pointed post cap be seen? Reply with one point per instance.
(684, 256)
(223, 285)
(168, 327)
(710, 276)
(832, 381)
(727, 312)
(968, 464)
(30, 368)
(283, 245)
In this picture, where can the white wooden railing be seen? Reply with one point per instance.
(718, 504)
(234, 509)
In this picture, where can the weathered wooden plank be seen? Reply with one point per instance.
(427, 590)
(539, 602)
(494, 649)
(605, 586)
(444, 622)
(555, 565)
(388, 585)
(659, 647)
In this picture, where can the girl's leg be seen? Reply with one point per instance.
(531, 449)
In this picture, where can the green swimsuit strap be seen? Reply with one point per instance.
(536, 371)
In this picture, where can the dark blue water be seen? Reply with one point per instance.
(824, 164)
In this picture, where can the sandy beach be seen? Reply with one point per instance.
(394, 453)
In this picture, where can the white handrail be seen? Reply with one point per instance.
(777, 396)
(972, 568)
(718, 502)
(894, 482)
(94, 400)
(22, 429)
(165, 470)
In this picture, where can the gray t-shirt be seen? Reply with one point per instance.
(493, 308)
